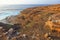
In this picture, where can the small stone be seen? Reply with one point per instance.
(33, 36)
(10, 30)
(0, 35)
(24, 35)
(46, 35)
(49, 37)
(6, 33)
(1, 27)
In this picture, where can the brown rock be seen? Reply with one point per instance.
(35, 22)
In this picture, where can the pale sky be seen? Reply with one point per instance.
(10, 2)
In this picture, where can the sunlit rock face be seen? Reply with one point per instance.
(38, 23)
(54, 22)
(56, 18)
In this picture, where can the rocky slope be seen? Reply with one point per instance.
(38, 23)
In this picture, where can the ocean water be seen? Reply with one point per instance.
(12, 10)
(7, 13)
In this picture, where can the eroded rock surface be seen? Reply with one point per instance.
(38, 23)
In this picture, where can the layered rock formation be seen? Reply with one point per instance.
(38, 23)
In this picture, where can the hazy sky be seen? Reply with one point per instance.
(9, 2)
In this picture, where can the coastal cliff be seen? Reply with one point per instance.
(37, 23)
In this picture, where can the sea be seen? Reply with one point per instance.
(12, 10)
